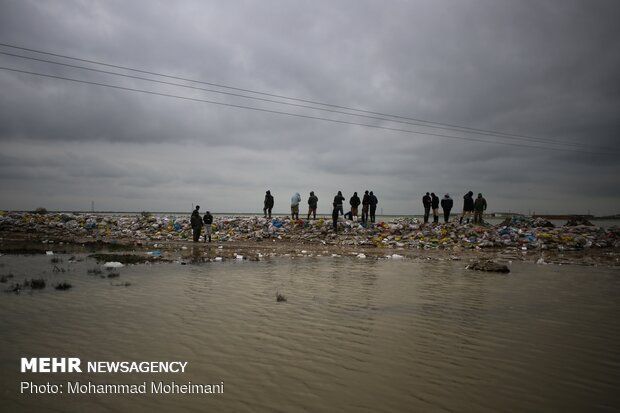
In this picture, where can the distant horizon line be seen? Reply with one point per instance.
(455, 213)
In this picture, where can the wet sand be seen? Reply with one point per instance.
(254, 251)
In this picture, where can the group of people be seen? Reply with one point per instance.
(368, 202)
(197, 223)
(470, 206)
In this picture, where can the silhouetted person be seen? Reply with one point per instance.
(335, 214)
(435, 206)
(338, 200)
(313, 202)
(208, 220)
(268, 204)
(373, 206)
(196, 223)
(426, 201)
(295, 200)
(468, 206)
(446, 205)
(365, 205)
(480, 205)
(355, 203)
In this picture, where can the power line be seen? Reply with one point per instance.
(440, 125)
(288, 113)
(536, 140)
(252, 97)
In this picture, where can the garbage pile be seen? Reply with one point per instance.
(516, 232)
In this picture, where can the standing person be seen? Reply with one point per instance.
(365, 205)
(313, 202)
(373, 206)
(268, 206)
(208, 220)
(480, 205)
(435, 206)
(355, 203)
(338, 200)
(335, 213)
(295, 200)
(468, 206)
(426, 201)
(446, 205)
(196, 223)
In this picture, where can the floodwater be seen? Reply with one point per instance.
(353, 336)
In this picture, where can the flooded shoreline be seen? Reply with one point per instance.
(353, 335)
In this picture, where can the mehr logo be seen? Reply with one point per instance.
(51, 365)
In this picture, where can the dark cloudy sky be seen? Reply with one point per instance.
(545, 70)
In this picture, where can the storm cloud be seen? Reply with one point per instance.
(547, 73)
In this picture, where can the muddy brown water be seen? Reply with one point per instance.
(354, 335)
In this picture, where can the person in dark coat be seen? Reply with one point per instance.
(268, 206)
(435, 206)
(313, 202)
(480, 205)
(446, 205)
(196, 223)
(338, 200)
(426, 201)
(208, 220)
(355, 203)
(335, 214)
(365, 205)
(468, 206)
(373, 206)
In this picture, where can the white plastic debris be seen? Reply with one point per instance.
(361, 255)
(113, 264)
(49, 252)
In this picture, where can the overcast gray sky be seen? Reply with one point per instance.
(543, 69)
